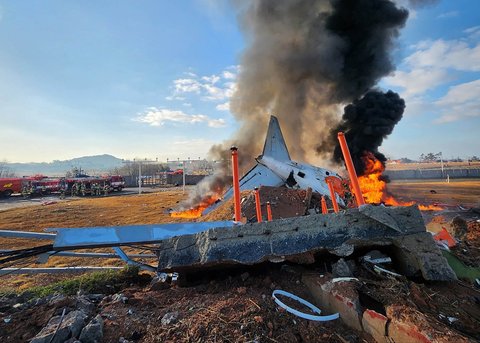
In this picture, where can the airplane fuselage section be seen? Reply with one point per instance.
(298, 174)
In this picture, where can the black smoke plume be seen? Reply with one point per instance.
(366, 123)
(304, 60)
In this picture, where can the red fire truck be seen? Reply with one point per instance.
(11, 185)
(117, 182)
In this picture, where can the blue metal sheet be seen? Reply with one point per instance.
(121, 235)
(26, 234)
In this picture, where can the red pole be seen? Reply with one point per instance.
(332, 195)
(351, 169)
(257, 205)
(324, 205)
(236, 184)
(269, 212)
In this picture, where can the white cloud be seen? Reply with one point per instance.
(213, 88)
(212, 79)
(454, 54)
(473, 32)
(434, 64)
(187, 86)
(228, 75)
(450, 14)
(223, 107)
(417, 81)
(461, 101)
(158, 117)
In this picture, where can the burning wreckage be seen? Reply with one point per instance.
(187, 247)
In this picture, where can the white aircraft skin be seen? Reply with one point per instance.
(305, 175)
(275, 168)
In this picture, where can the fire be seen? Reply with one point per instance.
(374, 188)
(196, 211)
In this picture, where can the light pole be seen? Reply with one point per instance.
(139, 177)
(139, 161)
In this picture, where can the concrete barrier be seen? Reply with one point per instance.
(455, 173)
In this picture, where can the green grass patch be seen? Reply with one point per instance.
(461, 270)
(105, 282)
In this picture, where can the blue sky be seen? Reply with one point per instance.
(153, 79)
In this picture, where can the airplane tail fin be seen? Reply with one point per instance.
(275, 146)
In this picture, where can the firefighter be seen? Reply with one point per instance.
(31, 189)
(25, 191)
(74, 189)
(105, 189)
(83, 188)
(62, 191)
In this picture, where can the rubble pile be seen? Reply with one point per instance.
(377, 267)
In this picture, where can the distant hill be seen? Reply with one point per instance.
(89, 164)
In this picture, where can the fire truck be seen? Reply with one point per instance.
(11, 185)
(117, 182)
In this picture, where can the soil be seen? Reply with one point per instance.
(230, 306)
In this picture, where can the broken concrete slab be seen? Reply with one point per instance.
(287, 239)
(336, 297)
(414, 253)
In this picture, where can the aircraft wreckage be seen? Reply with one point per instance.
(192, 247)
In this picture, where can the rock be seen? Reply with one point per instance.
(95, 297)
(19, 306)
(55, 299)
(341, 269)
(93, 332)
(84, 304)
(38, 301)
(170, 318)
(71, 326)
(119, 297)
(123, 340)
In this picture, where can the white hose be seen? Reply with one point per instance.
(304, 302)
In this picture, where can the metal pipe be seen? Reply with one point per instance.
(332, 195)
(7, 271)
(89, 254)
(139, 177)
(26, 234)
(269, 212)
(236, 184)
(351, 169)
(183, 177)
(257, 205)
(129, 261)
(324, 205)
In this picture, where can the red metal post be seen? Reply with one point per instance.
(332, 195)
(324, 205)
(236, 184)
(269, 212)
(351, 169)
(257, 205)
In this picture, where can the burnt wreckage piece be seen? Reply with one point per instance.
(300, 238)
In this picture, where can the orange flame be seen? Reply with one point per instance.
(374, 188)
(196, 211)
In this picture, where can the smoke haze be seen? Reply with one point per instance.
(304, 61)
